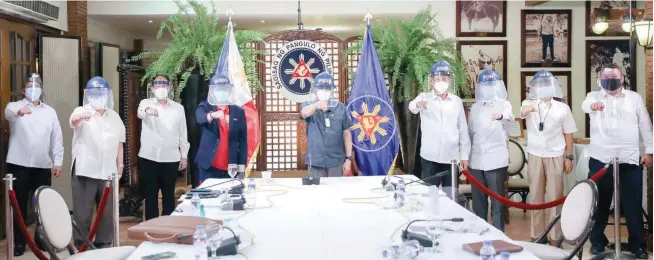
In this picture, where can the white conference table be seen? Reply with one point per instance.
(292, 221)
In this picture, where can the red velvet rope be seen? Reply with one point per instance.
(98, 218)
(525, 206)
(21, 224)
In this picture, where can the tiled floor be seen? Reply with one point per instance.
(518, 229)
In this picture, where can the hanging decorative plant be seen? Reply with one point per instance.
(196, 45)
(407, 49)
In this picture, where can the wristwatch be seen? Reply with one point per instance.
(570, 157)
(349, 158)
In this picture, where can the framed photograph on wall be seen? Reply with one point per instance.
(564, 78)
(480, 55)
(615, 10)
(608, 51)
(479, 18)
(546, 38)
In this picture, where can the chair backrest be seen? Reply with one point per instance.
(54, 217)
(577, 211)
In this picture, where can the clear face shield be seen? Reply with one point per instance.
(98, 98)
(442, 83)
(220, 95)
(160, 89)
(610, 79)
(33, 88)
(543, 88)
(489, 91)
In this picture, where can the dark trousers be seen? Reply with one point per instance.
(631, 198)
(27, 181)
(430, 168)
(548, 41)
(494, 180)
(155, 176)
(212, 172)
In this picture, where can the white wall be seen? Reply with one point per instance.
(101, 32)
(62, 22)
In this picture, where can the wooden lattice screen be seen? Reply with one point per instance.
(283, 133)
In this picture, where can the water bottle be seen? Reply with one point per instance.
(505, 256)
(251, 194)
(202, 212)
(195, 204)
(487, 252)
(252, 186)
(200, 243)
(400, 194)
(434, 200)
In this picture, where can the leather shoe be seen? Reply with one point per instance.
(640, 253)
(596, 250)
(19, 250)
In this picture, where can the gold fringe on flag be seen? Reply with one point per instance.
(251, 162)
(390, 170)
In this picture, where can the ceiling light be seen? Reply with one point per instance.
(150, 21)
(262, 21)
(627, 22)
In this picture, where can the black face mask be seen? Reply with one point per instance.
(611, 84)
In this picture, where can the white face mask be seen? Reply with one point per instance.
(161, 93)
(97, 103)
(323, 95)
(441, 87)
(33, 94)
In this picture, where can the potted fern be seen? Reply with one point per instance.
(406, 50)
(190, 58)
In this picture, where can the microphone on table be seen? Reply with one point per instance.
(205, 192)
(387, 180)
(423, 239)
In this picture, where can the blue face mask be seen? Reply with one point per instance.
(33, 94)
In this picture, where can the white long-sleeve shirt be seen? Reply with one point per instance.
(35, 139)
(444, 128)
(615, 131)
(557, 120)
(96, 143)
(490, 137)
(163, 137)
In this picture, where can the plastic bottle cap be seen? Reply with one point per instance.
(488, 242)
(505, 254)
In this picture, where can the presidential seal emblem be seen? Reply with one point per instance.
(373, 129)
(294, 67)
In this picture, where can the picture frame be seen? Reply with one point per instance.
(545, 50)
(472, 18)
(615, 51)
(617, 10)
(477, 52)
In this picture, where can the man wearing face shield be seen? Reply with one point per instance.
(617, 118)
(443, 125)
(36, 150)
(489, 121)
(164, 146)
(98, 137)
(550, 146)
(329, 151)
(223, 148)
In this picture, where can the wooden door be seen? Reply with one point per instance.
(17, 60)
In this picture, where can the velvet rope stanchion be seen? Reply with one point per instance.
(21, 224)
(510, 203)
(98, 216)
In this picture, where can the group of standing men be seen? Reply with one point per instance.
(480, 143)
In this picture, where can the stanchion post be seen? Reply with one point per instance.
(616, 216)
(115, 191)
(455, 176)
(9, 181)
